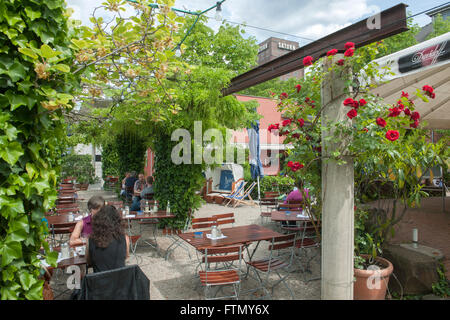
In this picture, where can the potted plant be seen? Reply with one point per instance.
(371, 272)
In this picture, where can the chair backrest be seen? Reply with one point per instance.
(117, 204)
(129, 190)
(126, 283)
(281, 243)
(225, 218)
(222, 254)
(271, 194)
(67, 210)
(203, 223)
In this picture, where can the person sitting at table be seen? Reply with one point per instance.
(295, 196)
(139, 185)
(83, 228)
(123, 190)
(129, 183)
(108, 245)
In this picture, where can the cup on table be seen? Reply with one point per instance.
(71, 218)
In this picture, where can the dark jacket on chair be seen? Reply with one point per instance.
(126, 283)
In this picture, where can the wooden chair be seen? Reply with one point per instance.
(266, 206)
(203, 223)
(73, 210)
(225, 218)
(271, 194)
(129, 194)
(117, 204)
(281, 258)
(227, 276)
(306, 242)
(61, 229)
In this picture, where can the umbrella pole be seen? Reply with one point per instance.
(259, 196)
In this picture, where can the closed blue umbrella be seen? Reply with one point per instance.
(256, 168)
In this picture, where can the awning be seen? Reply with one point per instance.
(427, 63)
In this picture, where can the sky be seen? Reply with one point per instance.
(297, 20)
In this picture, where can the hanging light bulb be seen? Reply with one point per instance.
(218, 15)
(178, 52)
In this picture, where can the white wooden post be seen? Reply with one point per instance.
(338, 202)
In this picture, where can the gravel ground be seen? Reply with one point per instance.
(175, 278)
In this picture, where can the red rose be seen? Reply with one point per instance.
(318, 149)
(392, 135)
(296, 135)
(355, 104)
(286, 122)
(433, 95)
(415, 116)
(428, 89)
(365, 129)
(349, 45)
(275, 126)
(298, 87)
(284, 95)
(362, 102)
(340, 62)
(332, 52)
(415, 124)
(349, 102)
(394, 112)
(405, 94)
(307, 61)
(349, 52)
(290, 164)
(401, 106)
(301, 122)
(352, 113)
(407, 111)
(381, 122)
(296, 166)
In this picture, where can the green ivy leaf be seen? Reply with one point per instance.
(33, 15)
(27, 280)
(11, 153)
(16, 72)
(10, 251)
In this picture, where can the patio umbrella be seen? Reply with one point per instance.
(256, 168)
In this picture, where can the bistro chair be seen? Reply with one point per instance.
(281, 257)
(266, 206)
(224, 218)
(126, 283)
(221, 277)
(117, 204)
(62, 229)
(172, 234)
(203, 223)
(307, 242)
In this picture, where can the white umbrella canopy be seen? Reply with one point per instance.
(427, 63)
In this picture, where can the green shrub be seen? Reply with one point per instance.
(79, 166)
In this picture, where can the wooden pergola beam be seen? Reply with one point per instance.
(393, 21)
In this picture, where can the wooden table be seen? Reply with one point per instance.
(62, 219)
(234, 235)
(282, 216)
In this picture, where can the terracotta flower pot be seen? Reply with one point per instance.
(372, 284)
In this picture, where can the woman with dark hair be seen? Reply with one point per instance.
(108, 244)
(83, 227)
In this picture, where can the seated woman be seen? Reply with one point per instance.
(83, 227)
(294, 197)
(108, 244)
